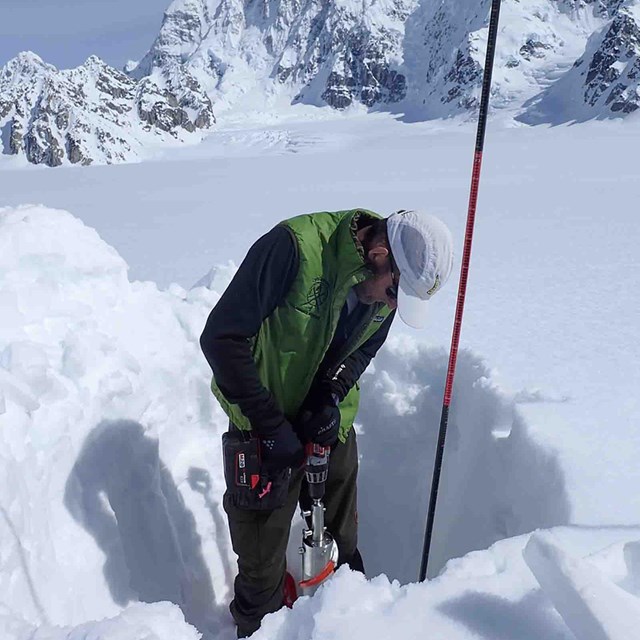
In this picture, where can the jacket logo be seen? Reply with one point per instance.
(316, 296)
(379, 319)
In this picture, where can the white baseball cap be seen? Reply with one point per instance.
(422, 247)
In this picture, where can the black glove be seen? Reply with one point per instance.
(281, 448)
(323, 426)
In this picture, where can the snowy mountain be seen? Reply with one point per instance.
(536, 40)
(94, 113)
(424, 58)
(333, 53)
(557, 60)
(604, 81)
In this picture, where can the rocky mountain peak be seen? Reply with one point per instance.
(94, 64)
(25, 65)
(322, 52)
(27, 61)
(95, 113)
(183, 28)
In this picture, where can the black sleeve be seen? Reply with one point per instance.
(340, 382)
(259, 286)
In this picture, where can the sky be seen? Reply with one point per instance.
(66, 32)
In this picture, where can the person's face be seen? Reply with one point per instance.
(382, 286)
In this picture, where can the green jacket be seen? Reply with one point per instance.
(293, 340)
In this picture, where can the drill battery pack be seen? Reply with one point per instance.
(249, 485)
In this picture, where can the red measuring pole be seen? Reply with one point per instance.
(462, 288)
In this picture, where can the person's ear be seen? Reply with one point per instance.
(378, 255)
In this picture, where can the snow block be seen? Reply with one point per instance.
(592, 606)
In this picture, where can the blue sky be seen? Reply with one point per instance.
(66, 32)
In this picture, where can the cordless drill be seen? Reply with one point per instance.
(319, 550)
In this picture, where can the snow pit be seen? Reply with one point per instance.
(111, 482)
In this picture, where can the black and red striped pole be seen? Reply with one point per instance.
(462, 288)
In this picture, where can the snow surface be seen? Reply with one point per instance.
(110, 464)
(114, 495)
(591, 604)
(555, 264)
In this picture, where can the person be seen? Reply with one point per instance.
(307, 310)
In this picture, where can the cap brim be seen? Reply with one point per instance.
(411, 309)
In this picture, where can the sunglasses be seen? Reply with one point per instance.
(392, 291)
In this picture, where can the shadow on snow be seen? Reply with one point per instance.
(497, 482)
(122, 494)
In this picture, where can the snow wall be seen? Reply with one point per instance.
(110, 464)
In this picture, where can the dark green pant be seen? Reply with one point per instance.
(260, 537)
